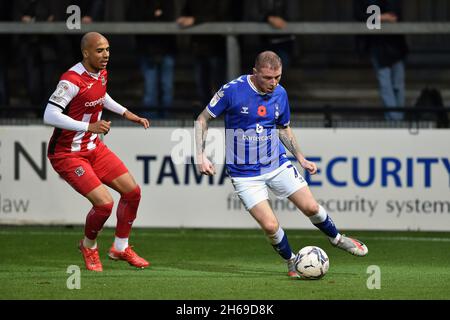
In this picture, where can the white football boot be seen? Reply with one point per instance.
(353, 246)
(292, 272)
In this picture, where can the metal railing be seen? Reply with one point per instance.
(226, 28)
(330, 116)
(322, 117)
(229, 30)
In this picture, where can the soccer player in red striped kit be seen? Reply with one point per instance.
(80, 157)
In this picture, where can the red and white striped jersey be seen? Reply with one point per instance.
(81, 96)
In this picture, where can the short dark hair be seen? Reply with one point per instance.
(268, 59)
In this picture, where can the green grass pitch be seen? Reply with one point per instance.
(200, 264)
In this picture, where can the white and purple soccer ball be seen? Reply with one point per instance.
(312, 263)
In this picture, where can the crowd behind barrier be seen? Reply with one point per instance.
(172, 70)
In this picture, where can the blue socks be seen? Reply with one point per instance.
(280, 244)
(323, 221)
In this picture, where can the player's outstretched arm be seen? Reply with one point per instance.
(115, 107)
(201, 131)
(134, 118)
(290, 142)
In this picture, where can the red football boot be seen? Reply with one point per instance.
(91, 258)
(129, 256)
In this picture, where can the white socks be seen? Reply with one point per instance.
(335, 240)
(277, 236)
(320, 216)
(90, 244)
(120, 243)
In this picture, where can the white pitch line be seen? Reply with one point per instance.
(218, 235)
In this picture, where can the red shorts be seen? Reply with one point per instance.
(85, 171)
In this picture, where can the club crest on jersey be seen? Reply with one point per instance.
(103, 80)
(277, 112)
(79, 171)
(262, 111)
(219, 94)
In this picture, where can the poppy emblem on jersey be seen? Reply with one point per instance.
(262, 111)
(79, 171)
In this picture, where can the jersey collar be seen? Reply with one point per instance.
(93, 75)
(256, 90)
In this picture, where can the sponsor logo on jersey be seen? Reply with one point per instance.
(259, 128)
(95, 102)
(79, 171)
(253, 138)
(244, 110)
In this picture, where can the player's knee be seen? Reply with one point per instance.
(132, 196)
(105, 200)
(311, 209)
(104, 209)
(270, 227)
(100, 196)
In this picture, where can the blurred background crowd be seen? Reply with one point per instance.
(183, 71)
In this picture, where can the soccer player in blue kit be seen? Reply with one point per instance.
(257, 116)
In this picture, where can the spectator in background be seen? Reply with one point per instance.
(276, 13)
(37, 53)
(5, 15)
(209, 50)
(156, 53)
(387, 53)
(91, 11)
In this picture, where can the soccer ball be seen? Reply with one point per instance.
(312, 263)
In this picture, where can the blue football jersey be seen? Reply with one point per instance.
(251, 118)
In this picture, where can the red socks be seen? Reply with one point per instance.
(126, 214)
(96, 218)
(127, 211)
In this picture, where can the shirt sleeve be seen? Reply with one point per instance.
(64, 93)
(113, 106)
(284, 116)
(53, 116)
(219, 102)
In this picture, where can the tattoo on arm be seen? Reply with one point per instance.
(201, 130)
(289, 141)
